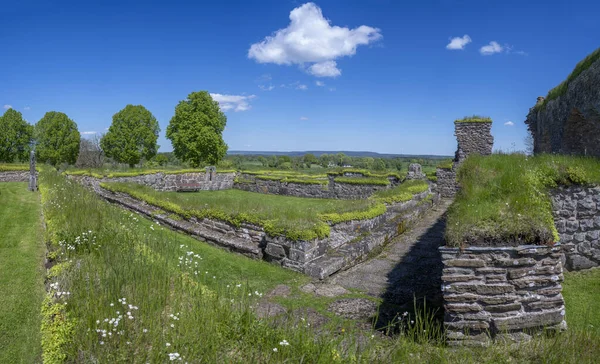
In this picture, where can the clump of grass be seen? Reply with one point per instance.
(377, 181)
(474, 119)
(13, 167)
(504, 198)
(446, 164)
(401, 193)
(562, 88)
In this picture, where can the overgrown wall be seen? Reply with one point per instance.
(576, 212)
(446, 182)
(14, 176)
(348, 242)
(569, 124)
(473, 138)
(331, 189)
(501, 293)
(175, 182)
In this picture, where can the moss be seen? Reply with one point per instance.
(335, 218)
(307, 181)
(432, 178)
(58, 269)
(402, 193)
(363, 181)
(446, 164)
(57, 331)
(244, 180)
(474, 119)
(13, 167)
(562, 88)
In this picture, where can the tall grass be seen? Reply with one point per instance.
(130, 291)
(504, 197)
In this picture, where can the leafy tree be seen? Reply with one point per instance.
(196, 130)
(310, 159)
(57, 139)
(379, 165)
(161, 159)
(263, 161)
(15, 136)
(131, 136)
(283, 159)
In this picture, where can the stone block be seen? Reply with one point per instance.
(498, 299)
(461, 278)
(275, 250)
(466, 297)
(464, 263)
(452, 270)
(490, 270)
(495, 278)
(529, 320)
(579, 262)
(489, 289)
(516, 306)
(467, 325)
(515, 262)
(572, 226)
(463, 307)
(593, 235)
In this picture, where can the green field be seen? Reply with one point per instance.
(21, 274)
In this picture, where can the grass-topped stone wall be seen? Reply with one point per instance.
(14, 172)
(347, 184)
(513, 225)
(314, 236)
(567, 120)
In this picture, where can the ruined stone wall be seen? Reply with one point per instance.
(576, 212)
(332, 189)
(14, 176)
(175, 182)
(473, 138)
(446, 182)
(570, 124)
(347, 244)
(504, 293)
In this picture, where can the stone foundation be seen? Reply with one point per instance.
(504, 294)
(348, 243)
(576, 212)
(14, 176)
(332, 189)
(175, 182)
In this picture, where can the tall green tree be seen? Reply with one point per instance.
(196, 130)
(57, 139)
(131, 136)
(15, 136)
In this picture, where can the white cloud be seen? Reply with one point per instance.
(332, 89)
(303, 118)
(509, 123)
(458, 42)
(491, 48)
(320, 83)
(325, 69)
(233, 102)
(26, 108)
(310, 38)
(302, 87)
(266, 88)
(8, 107)
(88, 132)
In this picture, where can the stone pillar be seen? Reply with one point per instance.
(415, 172)
(473, 138)
(501, 293)
(33, 186)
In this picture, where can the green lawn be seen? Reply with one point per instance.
(21, 271)
(581, 291)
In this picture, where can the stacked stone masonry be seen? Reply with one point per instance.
(14, 176)
(502, 294)
(347, 244)
(576, 212)
(570, 123)
(446, 182)
(473, 138)
(331, 189)
(183, 181)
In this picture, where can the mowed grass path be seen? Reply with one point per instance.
(21, 271)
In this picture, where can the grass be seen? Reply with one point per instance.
(21, 274)
(504, 198)
(581, 291)
(294, 217)
(401, 193)
(376, 181)
(474, 119)
(13, 167)
(562, 88)
(131, 257)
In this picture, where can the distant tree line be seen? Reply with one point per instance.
(195, 131)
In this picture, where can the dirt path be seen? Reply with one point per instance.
(408, 267)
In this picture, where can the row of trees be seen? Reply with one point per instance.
(195, 131)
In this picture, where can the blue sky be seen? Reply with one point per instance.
(392, 75)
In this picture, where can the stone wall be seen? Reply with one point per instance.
(14, 176)
(348, 243)
(569, 124)
(576, 212)
(473, 138)
(175, 182)
(332, 189)
(446, 182)
(504, 293)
